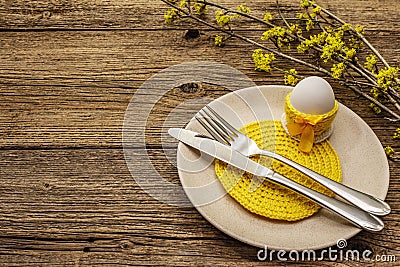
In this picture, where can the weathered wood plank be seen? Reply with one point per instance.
(72, 89)
(68, 71)
(83, 203)
(121, 14)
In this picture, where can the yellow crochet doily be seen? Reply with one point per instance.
(272, 200)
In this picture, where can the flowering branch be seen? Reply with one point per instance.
(239, 36)
(359, 35)
(365, 72)
(335, 47)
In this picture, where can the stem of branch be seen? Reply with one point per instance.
(241, 37)
(359, 35)
(370, 77)
(373, 100)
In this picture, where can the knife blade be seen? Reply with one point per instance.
(223, 152)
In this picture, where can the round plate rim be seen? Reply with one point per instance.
(261, 245)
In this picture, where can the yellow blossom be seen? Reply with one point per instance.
(309, 24)
(295, 29)
(222, 18)
(328, 29)
(386, 77)
(351, 54)
(317, 10)
(389, 151)
(219, 40)
(375, 93)
(359, 29)
(397, 134)
(171, 15)
(339, 34)
(262, 62)
(370, 62)
(337, 70)
(306, 3)
(290, 77)
(318, 39)
(333, 44)
(302, 16)
(308, 17)
(200, 9)
(276, 31)
(355, 42)
(243, 8)
(375, 108)
(346, 27)
(183, 3)
(268, 17)
(277, 34)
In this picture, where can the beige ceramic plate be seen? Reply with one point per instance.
(363, 161)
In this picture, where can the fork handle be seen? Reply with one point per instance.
(353, 214)
(362, 200)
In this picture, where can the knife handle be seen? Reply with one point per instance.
(364, 201)
(353, 214)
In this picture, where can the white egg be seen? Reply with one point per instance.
(313, 95)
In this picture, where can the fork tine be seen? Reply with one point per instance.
(214, 133)
(223, 121)
(218, 126)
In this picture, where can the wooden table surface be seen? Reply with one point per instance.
(68, 70)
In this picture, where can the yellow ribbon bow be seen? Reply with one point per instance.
(305, 127)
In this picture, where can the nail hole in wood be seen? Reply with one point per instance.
(46, 14)
(125, 245)
(190, 87)
(192, 34)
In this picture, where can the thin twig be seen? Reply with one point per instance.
(373, 100)
(385, 93)
(370, 46)
(370, 77)
(364, 84)
(359, 35)
(249, 40)
(287, 72)
(280, 14)
(391, 90)
(362, 71)
(299, 38)
(235, 12)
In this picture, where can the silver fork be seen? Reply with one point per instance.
(223, 132)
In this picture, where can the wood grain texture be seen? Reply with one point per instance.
(68, 71)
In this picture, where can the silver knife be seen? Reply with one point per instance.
(220, 151)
